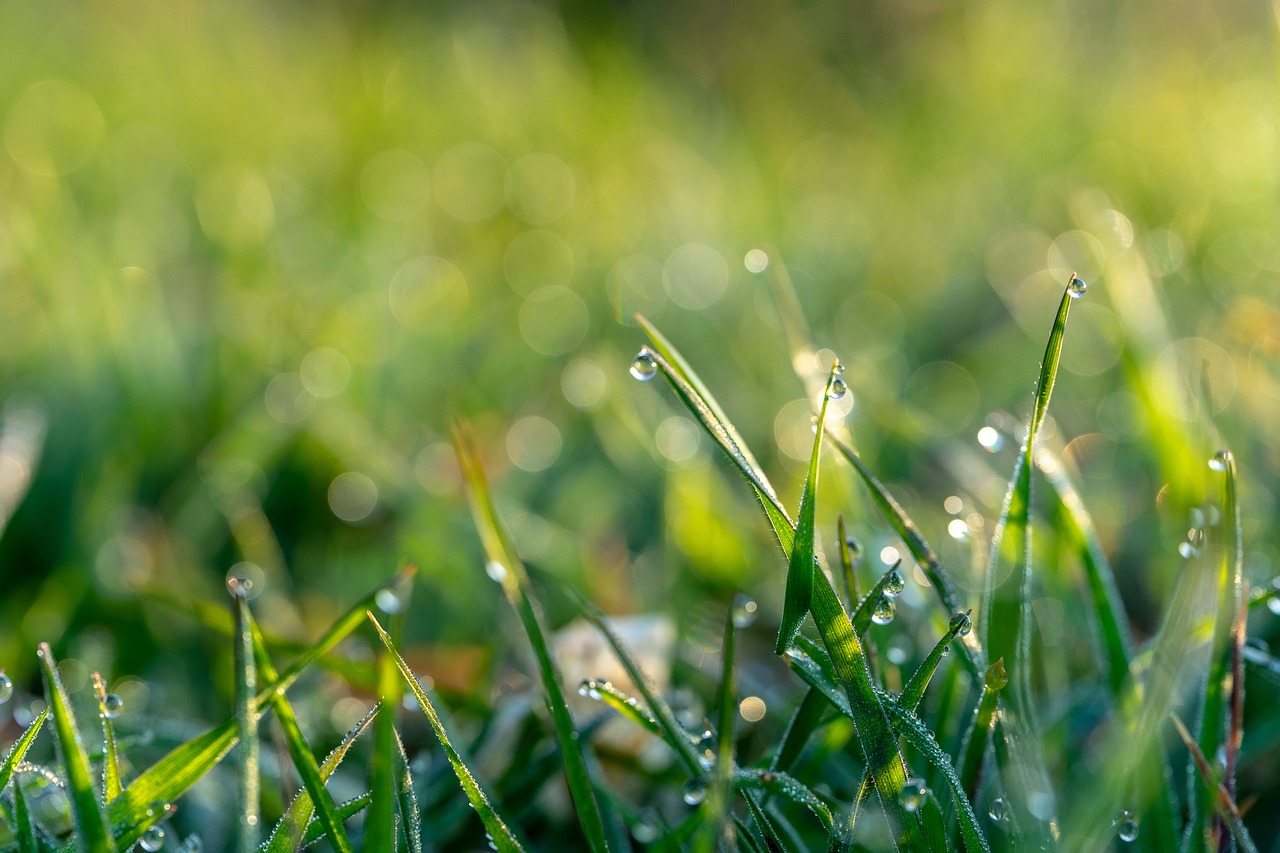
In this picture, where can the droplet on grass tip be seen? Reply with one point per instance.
(913, 795)
(112, 706)
(895, 584)
(644, 366)
(883, 614)
(496, 571)
(152, 839)
(961, 624)
(744, 610)
(855, 549)
(1220, 460)
(6, 688)
(695, 791)
(837, 389)
(999, 811)
(239, 587)
(389, 601)
(1076, 286)
(589, 688)
(1127, 826)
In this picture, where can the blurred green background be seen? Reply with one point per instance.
(254, 259)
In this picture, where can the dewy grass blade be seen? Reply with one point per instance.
(768, 831)
(246, 685)
(110, 759)
(847, 561)
(786, 787)
(408, 800)
(717, 807)
(502, 837)
(25, 828)
(861, 618)
(914, 691)
(625, 705)
(801, 566)
(804, 722)
(499, 550)
(86, 809)
(379, 824)
(20, 747)
(346, 811)
(1223, 803)
(978, 736)
(303, 759)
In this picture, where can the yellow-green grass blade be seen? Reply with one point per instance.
(1076, 526)
(1223, 803)
(248, 777)
(717, 807)
(626, 706)
(670, 729)
(110, 757)
(515, 584)
(303, 759)
(910, 534)
(20, 747)
(801, 566)
(870, 721)
(92, 834)
(784, 786)
(914, 691)
(503, 838)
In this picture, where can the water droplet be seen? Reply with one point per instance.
(913, 795)
(838, 388)
(961, 624)
(495, 571)
(112, 706)
(644, 366)
(193, 844)
(990, 438)
(239, 587)
(958, 528)
(855, 549)
(695, 791)
(999, 810)
(152, 839)
(585, 687)
(1273, 604)
(883, 614)
(645, 830)
(1076, 286)
(895, 584)
(6, 688)
(1127, 826)
(1220, 460)
(389, 601)
(1186, 550)
(767, 777)
(744, 610)
(838, 369)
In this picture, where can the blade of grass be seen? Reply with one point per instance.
(110, 759)
(407, 799)
(86, 810)
(803, 723)
(861, 618)
(1235, 554)
(747, 841)
(246, 685)
(303, 760)
(764, 823)
(914, 691)
(847, 561)
(515, 584)
(379, 828)
(1223, 803)
(498, 831)
(801, 567)
(20, 747)
(786, 787)
(346, 811)
(625, 705)
(716, 808)
(978, 736)
(24, 825)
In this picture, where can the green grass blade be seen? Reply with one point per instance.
(804, 722)
(1052, 357)
(716, 808)
(626, 706)
(861, 618)
(935, 827)
(246, 685)
(86, 809)
(768, 831)
(24, 825)
(407, 799)
(515, 584)
(847, 560)
(801, 567)
(110, 758)
(502, 836)
(1223, 804)
(346, 811)
(978, 736)
(303, 759)
(746, 840)
(914, 691)
(379, 824)
(784, 786)
(671, 730)
(20, 747)
(1235, 563)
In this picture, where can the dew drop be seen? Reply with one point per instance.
(1076, 286)
(913, 795)
(961, 624)
(193, 844)
(389, 601)
(585, 687)
(1186, 550)
(695, 791)
(152, 839)
(999, 810)
(644, 366)
(895, 584)
(112, 707)
(1127, 826)
(744, 610)
(645, 830)
(838, 369)
(838, 388)
(1273, 604)
(496, 571)
(883, 614)
(239, 587)
(1220, 460)
(6, 688)
(855, 549)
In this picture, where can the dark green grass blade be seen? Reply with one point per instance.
(346, 811)
(716, 808)
(248, 781)
(502, 836)
(20, 747)
(935, 828)
(1223, 804)
(746, 840)
(670, 729)
(86, 809)
(914, 691)
(847, 561)
(1075, 524)
(784, 786)
(289, 832)
(978, 736)
(24, 826)
(304, 761)
(498, 548)
(379, 825)
(110, 758)
(407, 799)
(801, 565)
(804, 722)
(768, 831)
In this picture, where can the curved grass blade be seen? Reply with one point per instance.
(248, 791)
(801, 566)
(502, 836)
(1224, 805)
(86, 810)
(303, 759)
(625, 705)
(346, 811)
(671, 730)
(787, 787)
(515, 584)
(914, 691)
(110, 758)
(20, 747)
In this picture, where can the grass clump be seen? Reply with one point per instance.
(866, 761)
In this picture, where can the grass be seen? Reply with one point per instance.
(869, 759)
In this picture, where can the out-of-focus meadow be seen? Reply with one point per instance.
(253, 259)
